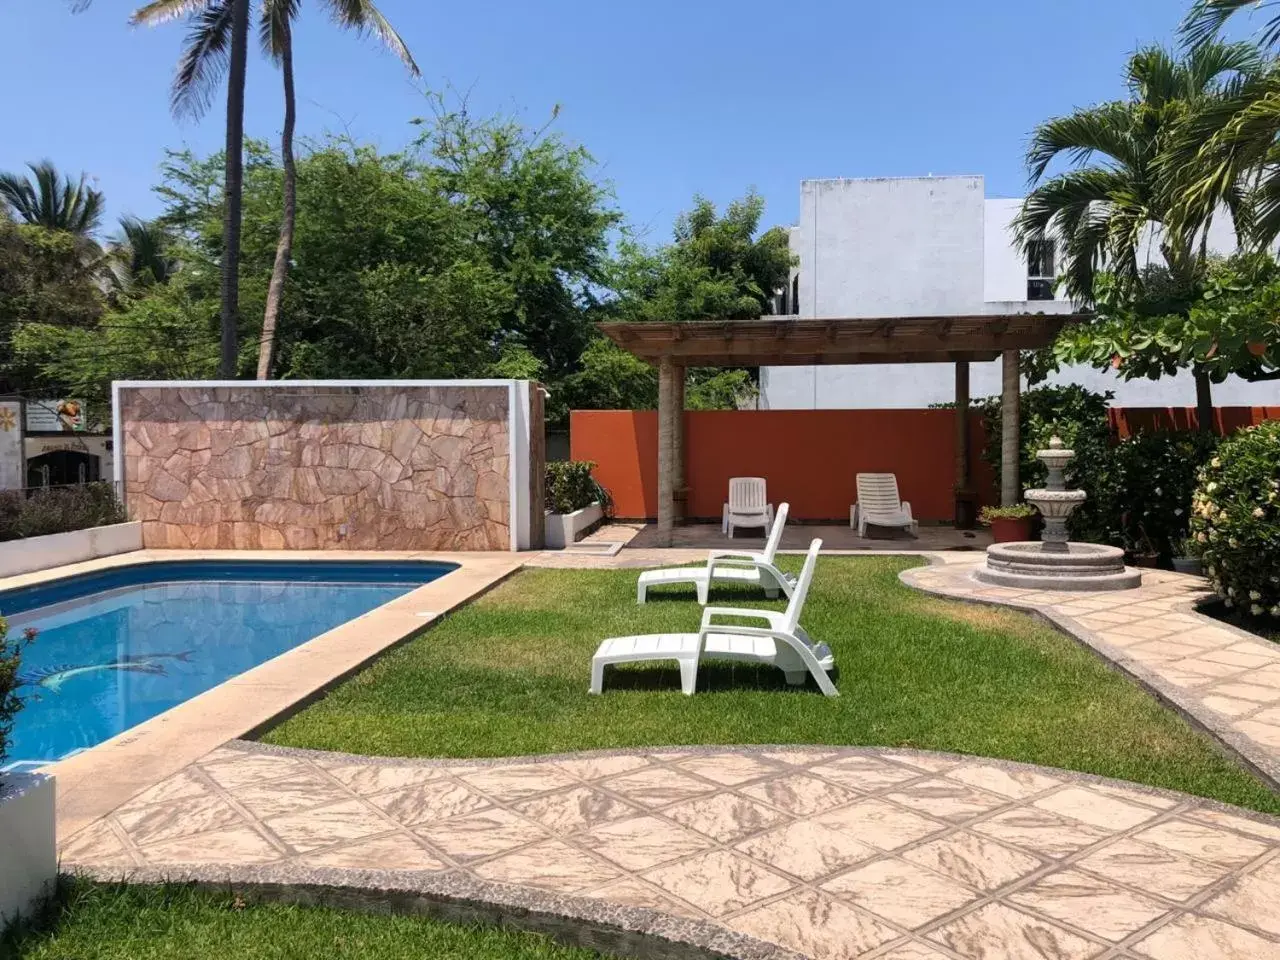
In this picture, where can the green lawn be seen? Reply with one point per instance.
(508, 675)
(180, 923)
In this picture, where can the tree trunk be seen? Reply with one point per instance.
(284, 249)
(1204, 400)
(232, 189)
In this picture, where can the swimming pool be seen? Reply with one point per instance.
(117, 647)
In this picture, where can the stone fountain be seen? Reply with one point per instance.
(1055, 563)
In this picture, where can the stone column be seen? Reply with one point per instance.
(666, 449)
(1010, 441)
(679, 491)
(964, 499)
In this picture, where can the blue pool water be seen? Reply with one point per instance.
(115, 648)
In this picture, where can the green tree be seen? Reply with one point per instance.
(1118, 196)
(139, 256)
(50, 200)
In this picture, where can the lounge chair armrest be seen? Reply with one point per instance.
(733, 630)
(906, 508)
(733, 555)
(709, 613)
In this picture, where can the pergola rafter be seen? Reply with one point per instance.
(790, 341)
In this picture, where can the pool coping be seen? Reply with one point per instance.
(93, 783)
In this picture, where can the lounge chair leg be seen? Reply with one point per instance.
(688, 676)
(796, 678)
(771, 593)
(597, 676)
(704, 590)
(642, 591)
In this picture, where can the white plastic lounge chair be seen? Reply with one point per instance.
(783, 642)
(878, 503)
(748, 505)
(728, 566)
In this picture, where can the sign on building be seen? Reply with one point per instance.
(55, 416)
(12, 461)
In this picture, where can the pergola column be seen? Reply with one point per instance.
(678, 490)
(1010, 441)
(964, 503)
(666, 449)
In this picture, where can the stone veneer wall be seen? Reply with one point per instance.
(317, 467)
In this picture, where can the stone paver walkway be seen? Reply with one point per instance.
(1225, 678)
(831, 853)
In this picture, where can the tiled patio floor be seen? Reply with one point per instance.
(1225, 678)
(832, 853)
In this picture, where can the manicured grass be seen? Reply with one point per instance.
(508, 675)
(92, 922)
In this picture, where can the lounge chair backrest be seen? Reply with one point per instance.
(878, 493)
(802, 587)
(747, 495)
(775, 534)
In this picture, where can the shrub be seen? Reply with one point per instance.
(1153, 478)
(570, 486)
(35, 513)
(10, 702)
(1236, 519)
(1019, 511)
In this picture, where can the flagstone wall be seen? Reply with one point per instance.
(296, 466)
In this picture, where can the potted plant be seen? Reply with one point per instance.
(575, 502)
(1009, 524)
(1143, 553)
(29, 864)
(1184, 558)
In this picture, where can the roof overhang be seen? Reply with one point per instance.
(784, 341)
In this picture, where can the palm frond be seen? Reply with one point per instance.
(1103, 129)
(1206, 18)
(52, 200)
(362, 15)
(165, 11)
(273, 25)
(204, 58)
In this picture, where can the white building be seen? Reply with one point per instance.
(935, 246)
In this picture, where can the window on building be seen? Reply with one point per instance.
(795, 294)
(1040, 270)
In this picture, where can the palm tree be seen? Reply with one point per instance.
(276, 33)
(52, 201)
(1206, 18)
(1119, 195)
(138, 257)
(216, 45)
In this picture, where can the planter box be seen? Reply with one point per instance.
(29, 864)
(40, 553)
(565, 528)
(1010, 529)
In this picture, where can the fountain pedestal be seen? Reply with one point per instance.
(1055, 563)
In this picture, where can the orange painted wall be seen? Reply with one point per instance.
(809, 457)
(1126, 421)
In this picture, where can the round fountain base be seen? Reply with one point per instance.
(1062, 566)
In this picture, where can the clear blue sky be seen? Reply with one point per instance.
(672, 97)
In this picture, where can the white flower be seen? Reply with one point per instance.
(1212, 487)
(1233, 543)
(1216, 462)
(1254, 595)
(1275, 611)
(1231, 591)
(1202, 537)
(1259, 512)
(1159, 492)
(1257, 609)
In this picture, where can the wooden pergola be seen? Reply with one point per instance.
(786, 341)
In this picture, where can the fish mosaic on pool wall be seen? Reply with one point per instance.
(53, 677)
(350, 468)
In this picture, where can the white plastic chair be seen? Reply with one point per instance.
(729, 566)
(782, 643)
(878, 503)
(748, 505)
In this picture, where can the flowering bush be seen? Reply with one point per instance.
(1235, 520)
(10, 703)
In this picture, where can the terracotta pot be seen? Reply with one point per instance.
(1010, 529)
(1146, 560)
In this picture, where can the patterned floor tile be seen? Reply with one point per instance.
(974, 861)
(393, 852)
(240, 845)
(367, 779)
(720, 882)
(1152, 869)
(865, 774)
(1229, 821)
(807, 850)
(1014, 784)
(242, 769)
(96, 844)
(643, 842)
(814, 926)
(311, 829)
(516, 783)
(729, 769)
(181, 786)
(912, 951)
(428, 802)
(946, 798)
(1252, 901)
(597, 768)
(172, 821)
(657, 787)
(901, 892)
(481, 834)
(290, 795)
(1041, 832)
(572, 810)
(881, 824)
(1095, 809)
(1202, 842)
(1090, 904)
(1194, 937)
(553, 865)
(800, 794)
(637, 893)
(725, 817)
(997, 932)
